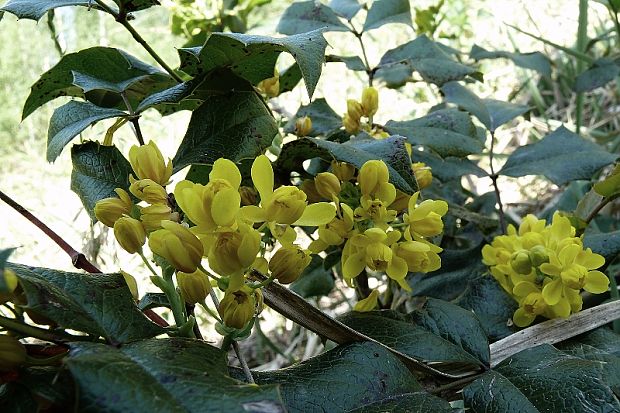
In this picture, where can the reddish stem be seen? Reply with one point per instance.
(77, 258)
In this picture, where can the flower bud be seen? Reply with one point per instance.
(194, 287)
(12, 353)
(303, 126)
(10, 281)
(177, 245)
(248, 195)
(108, 210)
(327, 185)
(152, 216)
(344, 171)
(233, 251)
(520, 262)
(129, 232)
(354, 110)
(288, 263)
(148, 191)
(367, 304)
(237, 308)
(131, 284)
(286, 205)
(350, 125)
(370, 101)
(538, 255)
(423, 174)
(372, 175)
(270, 86)
(309, 188)
(148, 163)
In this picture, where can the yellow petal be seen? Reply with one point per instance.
(225, 206)
(397, 269)
(561, 309)
(552, 292)
(252, 213)
(568, 253)
(262, 176)
(590, 260)
(367, 304)
(522, 319)
(320, 213)
(227, 170)
(596, 282)
(523, 288)
(354, 265)
(550, 269)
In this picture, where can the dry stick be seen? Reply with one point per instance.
(493, 176)
(122, 19)
(235, 345)
(77, 258)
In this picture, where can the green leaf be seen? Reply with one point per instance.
(253, 57)
(442, 141)
(135, 5)
(292, 157)
(354, 63)
(562, 156)
(491, 304)
(448, 168)
(541, 379)
(315, 281)
(4, 256)
(486, 224)
(102, 63)
(492, 113)
(602, 72)
(421, 342)
(35, 9)
(97, 304)
(153, 300)
(97, 171)
(235, 126)
(70, 120)
(534, 61)
(344, 378)
(290, 78)
(305, 16)
(419, 402)
(391, 150)
(606, 244)
(165, 375)
(48, 384)
(345, 8)
(388, 11)
(325, 120)
(424, 56)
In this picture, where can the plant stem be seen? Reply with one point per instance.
(369, 71)
(148, 264)
(40, 333)
(600, 206)
(121, 17)
(134, 120)
(582, 41)
(77, 258)
(189, 310)
(502, 218)
(614, 15)
(243, 362)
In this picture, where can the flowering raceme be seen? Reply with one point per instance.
(544, 267)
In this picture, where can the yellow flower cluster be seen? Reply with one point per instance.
(544, 267)
(365, 222)
(352, 120)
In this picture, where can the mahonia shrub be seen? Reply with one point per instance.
(298, 210)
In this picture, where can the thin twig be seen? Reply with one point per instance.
(606, 201)
(134, 120)
(122, 19)
(502, 218)
(40, 333)
(243, 362)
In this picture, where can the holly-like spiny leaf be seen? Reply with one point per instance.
(97, 304)
(35, 9)
(305, 16)
(605, 244)
(602, 72)
(419, 402)
(97, 171)
(70, 120)
(534, 61)
(129, 6)
(325, 120)
(448, 168)
(388, 11)
(562, 156)
(345, 8)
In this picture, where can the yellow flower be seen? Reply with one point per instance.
(148, 190)
(344, 171)
(370, 101)
(237, 308)
(372, 250)
(373, 177)
(424, 220)
(130, 233)
(303, 126)
(350, 125)
(354, 110)
(420, 256)
(531, 304)
(423, 174)
(334, 232)
(194, 287)
(152, 216)
(131, 284)
(148, 163)
(288, 263)
(327, 185)
(520, 262)
(215, 204)
(367, 304)
(12, 353)
(286, 205)
(376, 211)
(108, 210)
(177, 245)
(231, 251)
(270, 86)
